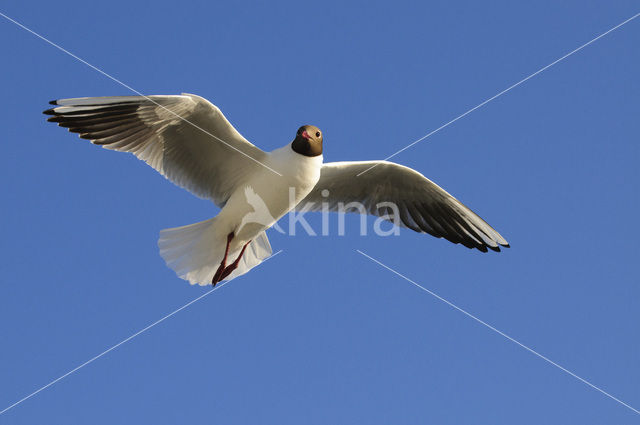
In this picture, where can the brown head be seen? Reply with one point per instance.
(308, 141)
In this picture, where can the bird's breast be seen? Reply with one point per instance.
(266, 196)
(299, 172)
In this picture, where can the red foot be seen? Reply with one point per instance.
(224, 270)
(231, 267)
(217, 276)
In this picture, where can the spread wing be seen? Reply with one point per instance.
(185, 138)
(422, 205)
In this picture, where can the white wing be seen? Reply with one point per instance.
(185, 138)
(423, 205)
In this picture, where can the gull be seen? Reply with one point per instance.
(189, 141)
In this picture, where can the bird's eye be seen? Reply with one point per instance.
(317, 134)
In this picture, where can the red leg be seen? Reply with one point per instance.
(231, 267)
(217, 276)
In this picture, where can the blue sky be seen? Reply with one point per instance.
(321, 334)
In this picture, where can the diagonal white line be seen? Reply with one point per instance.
(127, 339)
(531, 350)
(504, 91)
(133, 90)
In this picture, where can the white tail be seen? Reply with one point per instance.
(195, 251)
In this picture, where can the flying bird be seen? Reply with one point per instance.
(189, 141)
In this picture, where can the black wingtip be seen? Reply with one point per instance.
(53, 102)
(49, 112)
